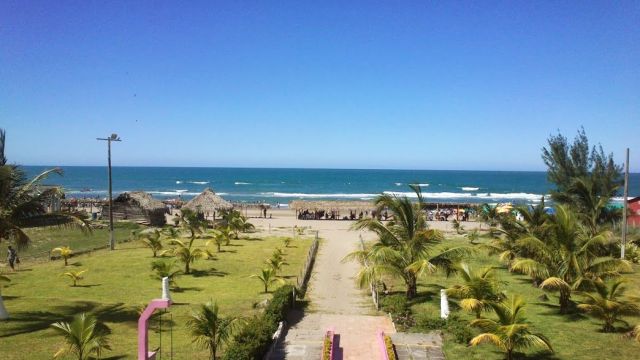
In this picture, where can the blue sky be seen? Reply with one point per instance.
(345, 84)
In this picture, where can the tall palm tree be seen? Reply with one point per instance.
(478, 291)
(185, 253)
(23, 203)
(568, 258)
(210, 330)
(268, 276)
(84, 337)
(510, 332)
(152, 240)
(65, 252)
(404, 245)
(607, 305)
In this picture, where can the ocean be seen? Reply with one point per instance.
(279, 186)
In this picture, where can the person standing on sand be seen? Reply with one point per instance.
(12, 257)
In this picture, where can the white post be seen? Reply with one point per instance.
(165, 289)
(624, 206)
(444, 304)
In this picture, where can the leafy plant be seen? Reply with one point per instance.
(607, 305)
(185, 252)
(152, 240)
(84, 337)
(221, 236)
(327, 345)
(210, 330)
(286, 241)
(75, 276)
(477, 291)
(510, 332)
(65, 252)
(391, 352)
(167, 269)
(268, 276)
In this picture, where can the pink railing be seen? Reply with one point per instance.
(382, 345)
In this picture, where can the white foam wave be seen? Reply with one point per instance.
(241, 183)
(198, 182)
(305, 195)
(421, 185)
(453, 195)
(398, 184)
(178, 182)
(469, 188)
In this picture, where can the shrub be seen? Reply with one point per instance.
(254, 339)
(454, 327)
(326, 347)
(399, 308)
(391, 353)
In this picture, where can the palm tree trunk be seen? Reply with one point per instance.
(265, 288)
(65, 261)
(564, 301)
(218, 247)
(509, 354)
(186, 267)
(412, 288)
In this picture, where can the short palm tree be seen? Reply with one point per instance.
(84, 337)
(404, 246)
(478, 291)
(75, 276)
(234, 220)
(152, 240)
(268, 276)
(185, 253)
(166, 269)
(23, 203)
(171, 232)
(65, 253)
(192, 222)
(607, 305)
(275, 264)
(510, 332)
(210, 330)
(221, 237)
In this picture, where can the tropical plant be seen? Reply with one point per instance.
(607, 305)
(152, 240)
(84, 337)
(635, 333)
(404, 245)
(275, 264)
(568, 258)
(473, 236)
(167, 269)
(510, 332)
(23, 203)
(236, 222)
(210, 330)
(192, 222)
(65, 253)
(478, 291)
(171, 232)
(286, 241)
(185, 252)
(268, 276)
(278, 254)
(221, 236)
(490, 215)
(75, 276)
(457, 226)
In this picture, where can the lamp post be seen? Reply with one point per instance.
(112, 240)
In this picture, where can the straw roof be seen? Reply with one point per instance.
(329, 205)
(142, 199)
(208, 201)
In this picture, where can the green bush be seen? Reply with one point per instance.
(455, 327)
(326, 347)
(391, 353)
(254, 339)
(399, 308)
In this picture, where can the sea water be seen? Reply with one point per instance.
(279, 186)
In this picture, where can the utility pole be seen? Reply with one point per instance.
(112, 240)
(624, 206)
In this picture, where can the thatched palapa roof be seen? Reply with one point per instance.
(142, 199)
(208, 201)
(334, 205)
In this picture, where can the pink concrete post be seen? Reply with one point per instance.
(383, 346)
(143, 328)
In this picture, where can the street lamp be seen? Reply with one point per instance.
(112, 240)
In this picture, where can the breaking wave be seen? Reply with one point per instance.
(241, 183)
(318, 196)
(469, 188)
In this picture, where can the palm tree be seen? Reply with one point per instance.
(234, 220)
(510, 332)
(171, 232)
(23, 203)
(478, 291)
(152, 240)
(166, 269)
(221, 237)
(185, 252)
(490, 215)
(209, 329)
(65, 253)
(268, 276)
(84, 337)
(192, 221)
(275, 264)
(75, 276)
(605, 304)
(404, 245)
(567, 259)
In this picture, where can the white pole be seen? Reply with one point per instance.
(444, 304)
(624, 206)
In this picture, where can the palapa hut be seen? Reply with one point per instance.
(137, 206)
(208, 203)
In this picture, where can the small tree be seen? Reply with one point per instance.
(478, 290)
(152, 240)
(268, 276)
(209, 329)
(221, 237)
(510, 332)
(185, 253)
(75, 276)
(275, 264)
(166, 269)
(65, 252)
(84, 337)
(607, 305)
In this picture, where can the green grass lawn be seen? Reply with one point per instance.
(572, 336)
(120, 281)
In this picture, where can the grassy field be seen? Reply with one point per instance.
(119, 282)
(573, 336)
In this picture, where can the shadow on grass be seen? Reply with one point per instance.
(210, 272)
(232, 244)
(251, 239)
(77, 263)
(87, 286)
(554, 310)
(183, 289)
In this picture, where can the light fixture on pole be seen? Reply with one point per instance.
(112, 240)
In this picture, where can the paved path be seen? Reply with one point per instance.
(410, 346)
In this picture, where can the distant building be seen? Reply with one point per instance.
(138, 206)
(633, 215)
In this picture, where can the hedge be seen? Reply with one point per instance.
(254, 339)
